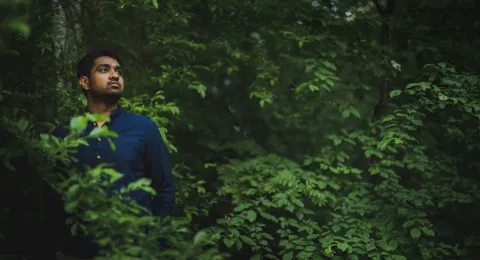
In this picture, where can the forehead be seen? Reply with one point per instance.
(106, 60)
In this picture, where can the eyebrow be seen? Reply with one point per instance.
(108, 66)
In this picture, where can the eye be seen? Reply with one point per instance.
(103, 69)
(120, 72)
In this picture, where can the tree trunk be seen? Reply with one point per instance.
(66, 43)
(385, 39)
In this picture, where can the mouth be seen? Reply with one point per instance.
(113, 85)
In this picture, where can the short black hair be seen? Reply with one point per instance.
(85, 64)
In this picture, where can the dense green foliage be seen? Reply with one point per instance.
(297, 129)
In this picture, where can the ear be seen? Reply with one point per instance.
(83, 81)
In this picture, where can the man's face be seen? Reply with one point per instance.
(106, 79)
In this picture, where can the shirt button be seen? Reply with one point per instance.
(99, 139)
(94, 124)
(98, 156)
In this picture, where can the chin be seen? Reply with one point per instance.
(110, 97)
(114, 92)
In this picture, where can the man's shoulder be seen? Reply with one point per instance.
(141, 119)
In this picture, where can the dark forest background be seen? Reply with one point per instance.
(326, 129)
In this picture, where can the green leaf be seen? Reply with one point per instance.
(298, 202)
(300, 215)
(427, 231)
(268, 236)
(200, 88)
(393, 245)
(353, 257)
(155, 3)
(288, 256)
(293, 222)
(412, 85)
(329, 65)
(74, 229)
(134, 250)
(200, 237)
(228, 241)
(312, 87)
(304, 255)
(101, 132)
(239, 244)
(248, 240)
(251, 215)
(242, 207)
(104, 241)
(342, 246)
(263, 242)
(71, 206)
(234, 232)
(112, 144)
(383, 244)
(388, 118)
(417, 122)
(256, 257)
(355, 112)
(370, 247)
(442, 97)
(415, 233)
(395, 93)
(97, 132)
(20, 26)
(78, 123)
(73, 189)
(268, 216)
(97, 117)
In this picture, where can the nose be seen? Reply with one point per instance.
(113, 75)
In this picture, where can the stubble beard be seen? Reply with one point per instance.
(108, 98)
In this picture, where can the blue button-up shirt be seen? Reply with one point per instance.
(140, 152)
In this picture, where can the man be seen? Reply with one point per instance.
(140, 151)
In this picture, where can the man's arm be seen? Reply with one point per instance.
(158, 169)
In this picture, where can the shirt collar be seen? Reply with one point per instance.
(114, 114)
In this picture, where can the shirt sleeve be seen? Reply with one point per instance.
(158, 169)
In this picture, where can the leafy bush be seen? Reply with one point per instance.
(109, 216)
(386, 207)
(276, 154)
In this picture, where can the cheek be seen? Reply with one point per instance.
(100, 80)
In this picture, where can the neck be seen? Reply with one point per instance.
(100, 107)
